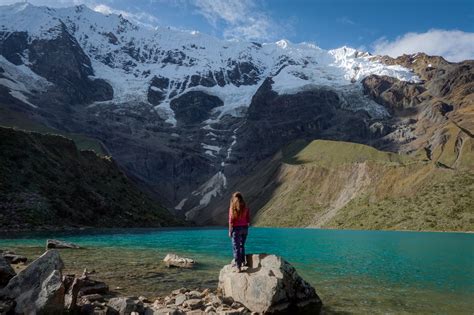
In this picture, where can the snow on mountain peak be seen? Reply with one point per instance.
(282, 43)
(128, 56)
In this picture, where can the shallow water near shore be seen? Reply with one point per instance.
(352, 271)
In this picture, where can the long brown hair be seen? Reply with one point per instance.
(237, 204)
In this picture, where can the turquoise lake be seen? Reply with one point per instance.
(359, 272)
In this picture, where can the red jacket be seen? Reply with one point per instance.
(243, 220)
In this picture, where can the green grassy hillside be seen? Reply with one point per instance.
(47, 181)
(333, 184)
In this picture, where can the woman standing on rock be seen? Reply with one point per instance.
(239, 221)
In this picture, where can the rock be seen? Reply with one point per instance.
(236, 305)
(144, 299)
(180, 299)
(125, 305)
(73, 286)
(193, 303)
(195, 294)
(166, 311)
(51, 296)
(178, 291)
(209, 309)
(391, 92)
(93, 298)
(7, 306)
(39, 287)
(270, 284)
(194, 107)
(70, 299)
(173, 260)
(60, 244)
(93, 287)
(15, 259)
(6, 272)
(214, 300)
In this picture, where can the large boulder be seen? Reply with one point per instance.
(39, 287)
(173, 260)
(269, 285)
(6, 271)
(60, 244)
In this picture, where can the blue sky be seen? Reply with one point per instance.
(384, 26)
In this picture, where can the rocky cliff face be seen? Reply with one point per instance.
(46, 181)
(188, 115)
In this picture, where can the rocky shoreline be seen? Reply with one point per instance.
(268, 284)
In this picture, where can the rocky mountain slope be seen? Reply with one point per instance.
(47, 181)
(191, 117)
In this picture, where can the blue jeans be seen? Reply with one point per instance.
(239, 236)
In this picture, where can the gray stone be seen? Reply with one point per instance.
(72, 291)
(173, 260)
(60, 244)
(39, 286)
(6, 272)
(215, 300)
(195, 294)
(270, 284)
(178, 291)
(51, 296)
(180, 299)
(193, 303)
(125, 305)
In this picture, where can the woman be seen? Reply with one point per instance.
(239, 221)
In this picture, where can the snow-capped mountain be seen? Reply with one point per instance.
(184, 112)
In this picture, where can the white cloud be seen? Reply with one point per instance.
(255, 29)
(453, 45)
(139, 17)
(242, 18)
(233, 12)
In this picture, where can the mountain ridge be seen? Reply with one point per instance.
(189, 115)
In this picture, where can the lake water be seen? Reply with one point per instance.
(364, 272)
